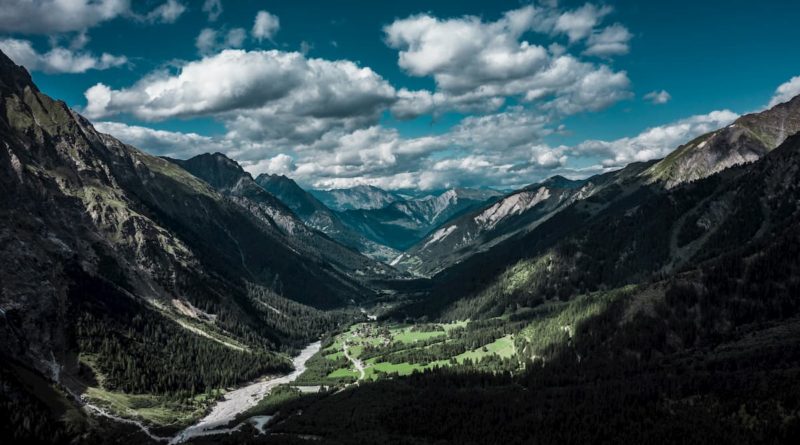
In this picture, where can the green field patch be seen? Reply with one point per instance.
(409, 336)
(375, 369)
(344, 373)
(503, 347)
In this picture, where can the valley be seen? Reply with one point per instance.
(299, 272)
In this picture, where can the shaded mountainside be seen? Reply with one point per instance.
(228, 177)
(403, 223)
(318, 216)
(122, 268)
(747, 139)
(625, 233)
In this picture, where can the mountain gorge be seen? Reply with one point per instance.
(318, 216)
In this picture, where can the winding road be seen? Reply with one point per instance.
(356, 362)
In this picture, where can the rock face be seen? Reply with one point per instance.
(318, 216)
(747, 139)
(486, 226)
(80, 210)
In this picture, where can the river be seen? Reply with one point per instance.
(233, 403)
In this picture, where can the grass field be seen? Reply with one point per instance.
(368, 341)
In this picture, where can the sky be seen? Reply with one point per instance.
(413, 94)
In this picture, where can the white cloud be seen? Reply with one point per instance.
(786, 91)
(477, 64)
(164, 143)
(578, 24)
(167, 12)
(280, 97)
(505, 149)
(210, 40)
(213, 8)
(265, 26)
(611, 41)
(658, 97)
(58, 60)
(464, 53)
(655, 142)
(57, 16)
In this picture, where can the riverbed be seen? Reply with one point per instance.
(244, 398)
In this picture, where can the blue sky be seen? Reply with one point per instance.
(409, 94)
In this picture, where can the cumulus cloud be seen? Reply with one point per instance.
(504, 149)
(655, 142)
(465, 53)
(611, 41)
(786, 91)
(477, 64)
(58, 60)
(213, 8)
(210, 40)
(658, 97)
(56, 16)
(288, 98)
(265, 26)
(64, 16)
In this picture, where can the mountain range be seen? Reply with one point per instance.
(649, 303)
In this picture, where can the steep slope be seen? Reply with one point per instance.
(747, 139)
(228, 177)
(126, 268)
(612, 239)
(318, 216)
(403, 223)
(358, 197)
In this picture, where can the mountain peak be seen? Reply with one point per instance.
(217, 169)
(13, 77)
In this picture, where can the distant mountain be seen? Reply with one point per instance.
(355, 198)
(488, 225)
(318, 216)
(404, 222)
